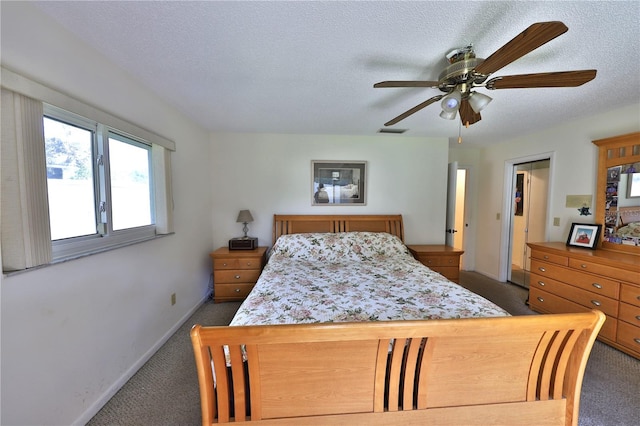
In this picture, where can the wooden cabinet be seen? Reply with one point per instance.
(235, 272)
(569, 279)
(443, 259)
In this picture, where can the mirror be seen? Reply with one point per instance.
(618, 192)
(622, 205)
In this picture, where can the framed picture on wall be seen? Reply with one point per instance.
(584, 235)
(338, 183)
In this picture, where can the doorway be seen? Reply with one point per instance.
(528, 215)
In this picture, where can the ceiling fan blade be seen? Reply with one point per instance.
(467, 115)
(528, 40)
(433, 84)
(413, 110)
(548, 79)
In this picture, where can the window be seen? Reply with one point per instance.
(99, 184)
(75, 180)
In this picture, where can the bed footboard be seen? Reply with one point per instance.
(509, 370)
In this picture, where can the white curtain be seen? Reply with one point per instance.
(161, 158)
(24, 210)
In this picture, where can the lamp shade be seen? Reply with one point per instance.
(448, 115)
(451, 102)
(244, 216)
(478, 101)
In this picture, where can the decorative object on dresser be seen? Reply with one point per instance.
(439, 257)
(245, 242)
(584, 235)
(569, 279)
(235, 272)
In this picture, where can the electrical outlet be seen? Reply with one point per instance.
(173, 299)
(556, 221)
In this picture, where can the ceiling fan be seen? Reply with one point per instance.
(466, 73)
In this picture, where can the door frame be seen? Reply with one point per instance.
(507, 207)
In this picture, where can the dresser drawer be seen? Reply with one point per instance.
(237, 276)
(238, 263)
(589, 282)
(629, 313)
(585, 298)
(233, 291)
(629, 336)
(541, 301)
(630, 294)
(595, 268)
(550, 257)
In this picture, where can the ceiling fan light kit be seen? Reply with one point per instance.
(466, 72)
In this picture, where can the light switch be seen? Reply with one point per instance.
(497, 216)
(556, 221)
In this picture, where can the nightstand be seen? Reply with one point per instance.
(443, 259)
(235, 272)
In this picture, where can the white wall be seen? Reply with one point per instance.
(572, 172)
(270, 174)
(74, 332)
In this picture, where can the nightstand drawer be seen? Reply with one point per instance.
(237, 276)
(233, 291)
(239, 263)
(439, 260)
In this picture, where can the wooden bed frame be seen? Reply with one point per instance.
(524, 370)
(297, 224)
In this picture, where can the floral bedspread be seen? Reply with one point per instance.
(353, 277)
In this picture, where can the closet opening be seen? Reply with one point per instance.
(528, 218)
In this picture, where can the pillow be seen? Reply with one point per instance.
(343, 246)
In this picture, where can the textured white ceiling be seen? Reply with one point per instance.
(309, 67)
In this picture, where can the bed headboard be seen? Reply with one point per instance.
(298, 224)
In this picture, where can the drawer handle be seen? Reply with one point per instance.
(541, 283)
(595, 302)
(540, 299)
(637, 340)
(224, 264)
(248, 263)
(237, 277)
(237, 290)
(542, 269)
(638, 317)
(596, 285)
(546, 257)
(583, 266)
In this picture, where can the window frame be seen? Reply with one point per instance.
(105, 237)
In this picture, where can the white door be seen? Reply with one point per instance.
(450, 224)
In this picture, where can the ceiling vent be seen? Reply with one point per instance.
(392, 131)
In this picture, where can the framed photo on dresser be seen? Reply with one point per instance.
(584, 235)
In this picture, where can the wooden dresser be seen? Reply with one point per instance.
(570, 279)
(235, 272)
(443, 259)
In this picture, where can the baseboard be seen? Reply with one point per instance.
(115, 387)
